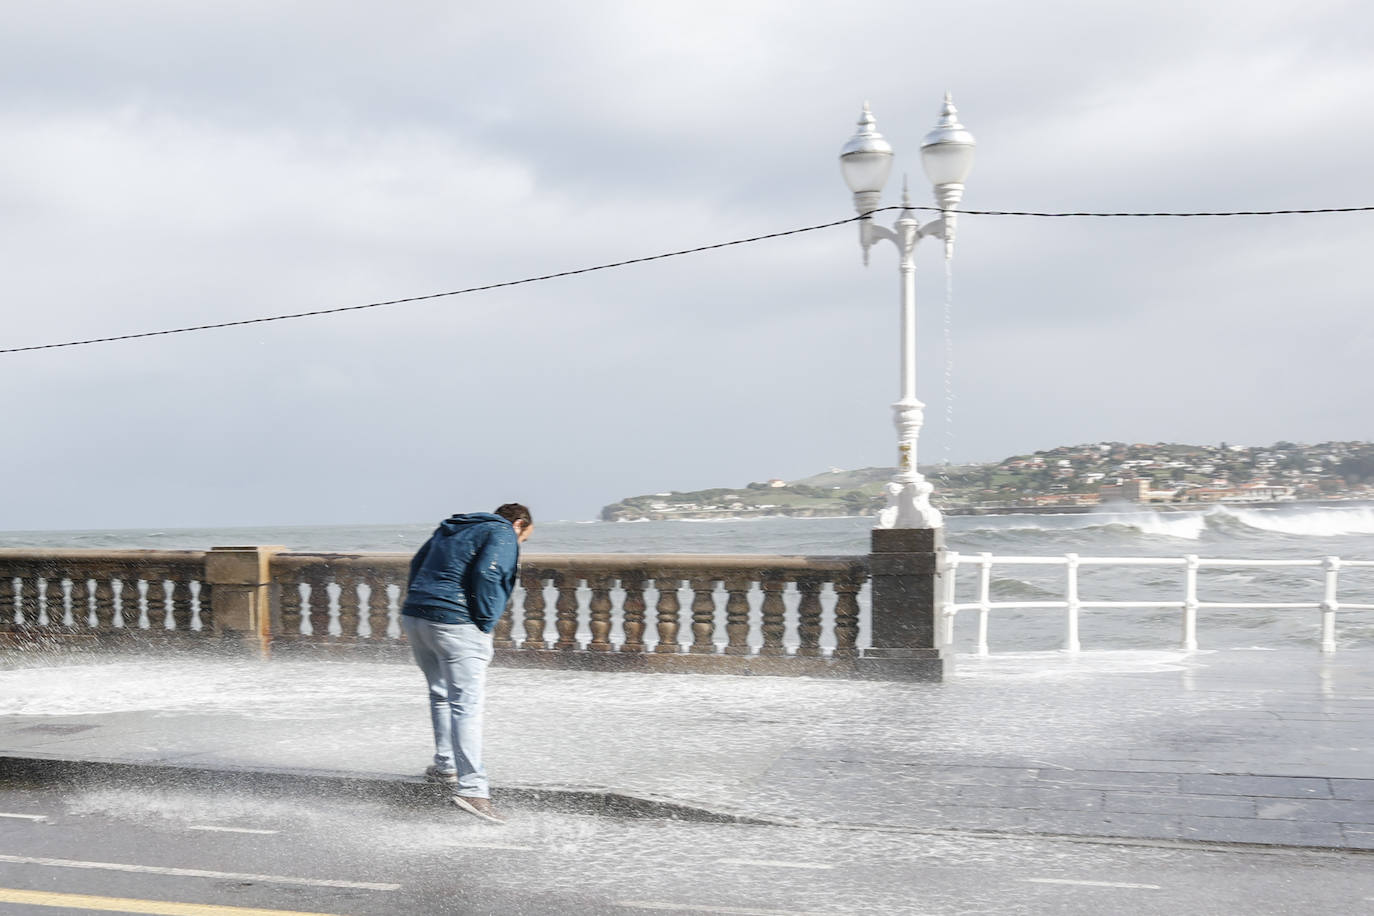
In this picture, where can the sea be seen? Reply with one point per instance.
(1298, 531)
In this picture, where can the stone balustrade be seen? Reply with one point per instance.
(92, 593)
(729, 614)
(608, 611)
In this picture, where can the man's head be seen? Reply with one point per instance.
(519, 517)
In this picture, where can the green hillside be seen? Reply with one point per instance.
(1067, 476)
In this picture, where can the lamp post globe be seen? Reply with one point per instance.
(866, 161)
(947, 156)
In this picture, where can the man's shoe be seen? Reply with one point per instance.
(447, 777)
(481, 807)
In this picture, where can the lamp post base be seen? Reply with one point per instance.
(908, 493)
(908, 506)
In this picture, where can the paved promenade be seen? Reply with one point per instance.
(1256, 747)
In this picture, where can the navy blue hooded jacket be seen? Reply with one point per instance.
(465, 572)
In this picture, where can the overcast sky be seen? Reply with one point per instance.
(167, 164)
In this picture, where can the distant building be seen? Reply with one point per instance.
(1065, 499)
(775, 482)
(1245, 493)
(1134, 490)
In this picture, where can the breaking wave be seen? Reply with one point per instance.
(1327, 521)
(1317, 521)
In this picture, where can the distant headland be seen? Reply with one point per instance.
(1073, 478)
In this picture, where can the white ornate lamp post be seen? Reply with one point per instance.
(866, 160)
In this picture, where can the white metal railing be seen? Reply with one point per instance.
(1189, 605)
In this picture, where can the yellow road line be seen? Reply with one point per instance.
(131, 905)
(197, 873)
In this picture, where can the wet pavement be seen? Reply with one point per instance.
(1228, 747)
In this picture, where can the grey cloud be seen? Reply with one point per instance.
(176, 165)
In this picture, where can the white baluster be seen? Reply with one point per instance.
(195, 587)
(1071, 643)
(333, 594)
(43, 617)
(1330, 605)
(140, 594)
(1190, 603)
(117, 589)
(68, 618)
(984, 600)
(169, 621)
(950, 574)
(92, 620)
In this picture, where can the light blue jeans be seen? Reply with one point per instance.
(454, 657)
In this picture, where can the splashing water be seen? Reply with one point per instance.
(1182, 525)
(949, 360)
(1328, 522)
(1186, 527)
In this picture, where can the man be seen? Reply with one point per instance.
(460, 582)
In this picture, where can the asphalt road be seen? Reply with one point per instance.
(89, 849)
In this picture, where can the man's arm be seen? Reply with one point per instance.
(490, 575)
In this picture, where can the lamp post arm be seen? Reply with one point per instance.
(934, 229)
(870, 234)
(904, 235)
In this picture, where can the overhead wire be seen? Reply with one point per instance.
(654, 257)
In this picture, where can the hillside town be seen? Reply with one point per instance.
(1066, 479)
(1168, 473)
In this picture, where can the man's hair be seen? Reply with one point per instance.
(514, 512)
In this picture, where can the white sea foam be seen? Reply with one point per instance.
(1058, 665)
(1325, 521)
(727, 520)
(282, 690)
(1191, 525)
(1182, 525)
(1186, 526)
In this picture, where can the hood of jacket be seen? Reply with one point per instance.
(457, 522)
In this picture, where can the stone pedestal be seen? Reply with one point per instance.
(904, 564)
(240, 581)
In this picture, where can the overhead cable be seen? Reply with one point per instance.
(654, 257)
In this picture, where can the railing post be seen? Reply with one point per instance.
(772, 611)
(599, 612)
(565, 610)
(703, 615)
(984, 600)
(632, 610)
(667, 612)
(241, 586)
(534, 610)
(1330, 605)
(949, 580)
(1190, 603)
(1071, 599)
(847, 586)
(905, 636)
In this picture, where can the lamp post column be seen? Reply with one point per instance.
(908, 538)
(909, 492)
